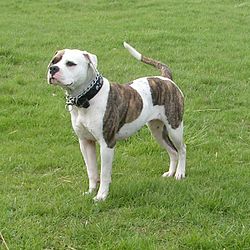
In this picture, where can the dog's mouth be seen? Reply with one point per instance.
(54, 81)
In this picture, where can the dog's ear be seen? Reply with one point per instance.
(91, 58)
(57, 57)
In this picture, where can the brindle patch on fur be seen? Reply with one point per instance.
(165, 93)
(165, 70)
(58, 57)
(124, 106)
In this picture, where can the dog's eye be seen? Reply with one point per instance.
(70, 64)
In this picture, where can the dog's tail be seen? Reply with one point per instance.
(165, 71)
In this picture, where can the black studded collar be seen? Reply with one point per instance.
(82, 100)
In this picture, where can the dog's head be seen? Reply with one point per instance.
(71, 68)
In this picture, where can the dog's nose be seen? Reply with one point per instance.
(53, 70)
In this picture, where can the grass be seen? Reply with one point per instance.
(206, 44)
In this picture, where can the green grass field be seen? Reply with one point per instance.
(42, 176)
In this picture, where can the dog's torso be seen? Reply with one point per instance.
(119, 110)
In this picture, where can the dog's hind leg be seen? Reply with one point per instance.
(176, 136)
(159, 131)
(88, 149)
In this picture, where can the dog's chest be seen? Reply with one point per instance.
(86, 124)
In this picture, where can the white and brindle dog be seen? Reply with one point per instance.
(105, 113)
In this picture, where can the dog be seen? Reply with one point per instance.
(105, 113)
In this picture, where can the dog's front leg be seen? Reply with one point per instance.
(107, 155)
(88, 149)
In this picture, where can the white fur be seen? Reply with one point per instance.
(148, 113)
(132, 51)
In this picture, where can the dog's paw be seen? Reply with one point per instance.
(179, 175)
(101, 196)
(168, 174)
(89, 192)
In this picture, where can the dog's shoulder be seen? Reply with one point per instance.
(124, 105)
(125, 101)
(123, 92)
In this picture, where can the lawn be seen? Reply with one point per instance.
(42, 175)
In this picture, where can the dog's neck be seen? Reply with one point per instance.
(76, 90)
(80, 96)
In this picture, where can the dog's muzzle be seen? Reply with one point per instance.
(53, 70)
